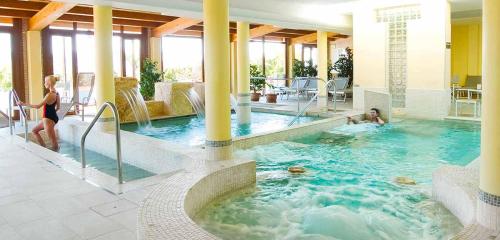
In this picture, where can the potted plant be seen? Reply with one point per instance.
(149, 76)
(257, 82)
(344, 65)
(271, 96)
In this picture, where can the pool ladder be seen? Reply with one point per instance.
(117, 136)
(13, 95)
(308, 104)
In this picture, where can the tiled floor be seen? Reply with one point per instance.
(38, 200)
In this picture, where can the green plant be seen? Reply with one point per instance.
(257, 79)
(301, 69)
(345, 65)
(5, 79)
(150, 75)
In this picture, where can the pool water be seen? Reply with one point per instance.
(103, 163)
(348, 190)
(191, 130)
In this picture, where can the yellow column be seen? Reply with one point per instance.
(243, 63)
(104, 80)
(234, 71)
(217, 106)
(35, 73)
(322, 44)
(291, 58)
(489, 185)
(155, 49)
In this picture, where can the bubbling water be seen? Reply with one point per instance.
(348, 190)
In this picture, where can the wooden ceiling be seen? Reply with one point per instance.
(132, 20)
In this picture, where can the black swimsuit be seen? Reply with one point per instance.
(49, 111)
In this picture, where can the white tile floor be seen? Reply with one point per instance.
(38, 200)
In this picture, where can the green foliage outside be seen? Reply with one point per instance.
(345, 65)
(182, 74)
(304, 69)
(150, 75)
(5, 79)
(275, 67)
(257, 78)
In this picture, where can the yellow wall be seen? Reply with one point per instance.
(466, 40)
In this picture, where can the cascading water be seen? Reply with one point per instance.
(234, 103)
(195, 100)
(138, 106)
(198, 105)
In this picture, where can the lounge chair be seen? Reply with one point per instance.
(301, 82)
(84, 91)
(341, 89)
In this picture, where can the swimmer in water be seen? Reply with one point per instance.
(374, 118)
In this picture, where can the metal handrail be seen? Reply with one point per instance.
(117, 135)
(308, 104)
(13, 93)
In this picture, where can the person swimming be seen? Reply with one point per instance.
(374, 117)
(50, 104)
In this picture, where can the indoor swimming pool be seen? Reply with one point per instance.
(191, 130)
(348, 190)
(103, 163)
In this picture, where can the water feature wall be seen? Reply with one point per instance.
(175, 102)
(196, 102)
(137, 105)
(155, 109)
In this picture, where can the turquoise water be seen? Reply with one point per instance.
(348, 190)
(191, 130)
(103, 163)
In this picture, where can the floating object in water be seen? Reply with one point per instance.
(296, 169)
(405, 181)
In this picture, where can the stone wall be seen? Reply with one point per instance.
(155, 108)
(171, 94)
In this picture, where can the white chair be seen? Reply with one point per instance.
(301, 82)
(84, 91)
(469, 100)
(341, 89)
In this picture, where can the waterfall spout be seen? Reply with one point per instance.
(138, 106)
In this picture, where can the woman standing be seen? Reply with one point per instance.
(50, 104)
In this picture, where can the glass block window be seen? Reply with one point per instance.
(396, 51)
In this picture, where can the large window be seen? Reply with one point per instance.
(5, 69)
(182, 59)
(256, 54)
(62, 58)
(132, 58)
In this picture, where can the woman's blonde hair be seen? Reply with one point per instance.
(52, 79)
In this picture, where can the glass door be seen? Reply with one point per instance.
(5, 70)
(62, 58)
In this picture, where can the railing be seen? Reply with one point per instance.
(308, 104)
(117, 135)
(13, 94)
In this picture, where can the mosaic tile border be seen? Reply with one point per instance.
(167, 212)
(489, 198)
(225, 143)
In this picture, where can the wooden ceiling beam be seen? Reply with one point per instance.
(305, 39)
(15, 13)
(48, 15)
(263, 30)
(174, 26)
(22, 5)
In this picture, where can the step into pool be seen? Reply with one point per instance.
(348, 191)
(103, 163)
